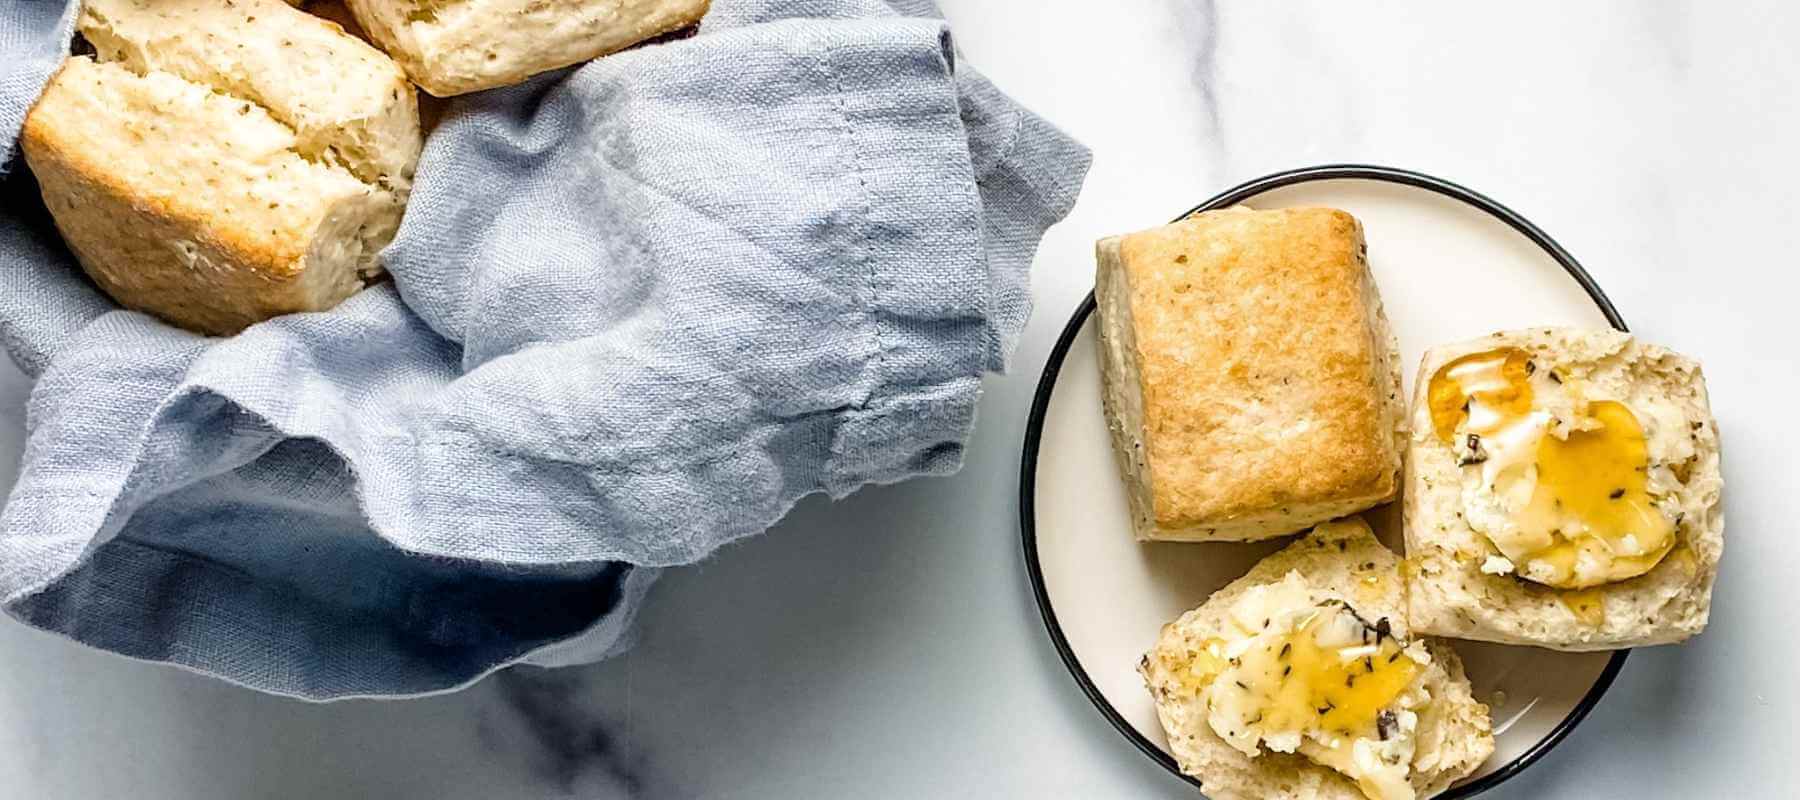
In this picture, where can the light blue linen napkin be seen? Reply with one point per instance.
(639, 309)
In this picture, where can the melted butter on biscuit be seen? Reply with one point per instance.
(1499, 379)
(1559, 483)
(1295, 671)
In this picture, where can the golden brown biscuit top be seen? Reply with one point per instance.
(1260, 361)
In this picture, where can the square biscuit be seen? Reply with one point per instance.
(1462, 586)
(1251, 382)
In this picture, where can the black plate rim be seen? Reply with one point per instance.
(1040, 404)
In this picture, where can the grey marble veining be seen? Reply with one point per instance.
(887, 646)
(547, 721)
(1198, 23)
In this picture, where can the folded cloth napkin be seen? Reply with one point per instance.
(639, 309)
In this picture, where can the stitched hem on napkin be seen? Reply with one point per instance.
(920, 343)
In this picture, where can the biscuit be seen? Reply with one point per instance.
(1463, 585)
(1342, 560)
(1252, 386)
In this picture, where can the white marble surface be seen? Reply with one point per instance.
(887, 646)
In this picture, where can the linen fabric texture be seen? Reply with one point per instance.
(639, 308)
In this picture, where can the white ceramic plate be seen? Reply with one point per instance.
(1452, 265)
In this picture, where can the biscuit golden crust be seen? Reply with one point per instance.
(187, 204)
(216, 185)
(453, 47)
(1450, 594)
(1251, 373)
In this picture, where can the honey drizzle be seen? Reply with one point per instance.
(1591, 500)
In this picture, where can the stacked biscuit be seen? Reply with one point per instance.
(217, 163)
(1561, 490)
